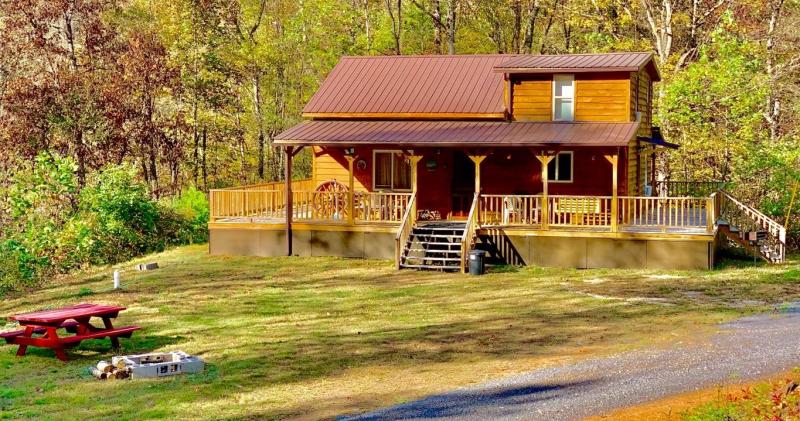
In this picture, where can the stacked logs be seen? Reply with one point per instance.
(108, 371)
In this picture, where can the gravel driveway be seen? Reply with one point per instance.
(748, 348)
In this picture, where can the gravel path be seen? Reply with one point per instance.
(748, 348)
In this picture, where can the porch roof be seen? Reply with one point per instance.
(457, 133)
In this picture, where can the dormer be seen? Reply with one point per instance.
(611, 87)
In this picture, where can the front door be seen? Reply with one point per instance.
(463, 185)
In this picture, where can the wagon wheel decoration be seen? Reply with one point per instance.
(330, 200)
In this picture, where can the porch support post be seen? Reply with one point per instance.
(477, 159)
(545, 161)
(289, 205)
(351, 196)
(614, 160)
(414, 161)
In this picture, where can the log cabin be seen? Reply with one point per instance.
(545, 160)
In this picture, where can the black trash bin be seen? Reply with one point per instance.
(476, 262)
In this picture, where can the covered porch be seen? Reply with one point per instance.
(374, 183)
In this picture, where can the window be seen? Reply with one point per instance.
(559, 170)
(563, 97)
(391, 171)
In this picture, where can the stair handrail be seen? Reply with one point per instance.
(775, 231)
(404, 231)
(469, 231)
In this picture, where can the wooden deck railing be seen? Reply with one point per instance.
(508, 210)
(227, 204)
(665, 212)
(590, 212)
(382, 207)
(468, 239)
(596, 212)
(670, 188)
(264, 205)
(406, 225)
(579, 211)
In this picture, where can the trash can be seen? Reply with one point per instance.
(476, 258)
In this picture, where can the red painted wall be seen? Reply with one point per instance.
(505, 171)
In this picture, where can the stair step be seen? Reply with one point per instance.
(438, 228)
(437, 235)
(433, 259)
(434, 243)
(437, 251)
(429, 267)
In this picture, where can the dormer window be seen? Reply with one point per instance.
(563, 97)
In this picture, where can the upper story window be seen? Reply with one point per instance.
(392, 171)
(563, 97)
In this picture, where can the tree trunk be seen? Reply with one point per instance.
(256, 81)
(516, 31)
(437, 26)
(396, 16)
(451, 27)
(533, 13)
(205, 167)
(367, 28)
(772, 114)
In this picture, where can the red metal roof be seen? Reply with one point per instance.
(459, 84)
(457, 133)
(622, 62)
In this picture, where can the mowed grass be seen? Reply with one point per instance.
(315, 338)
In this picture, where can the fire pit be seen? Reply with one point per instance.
(158, 364)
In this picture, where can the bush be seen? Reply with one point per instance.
(121, 216)
(18, 267)
(192, 207)
(55, 228)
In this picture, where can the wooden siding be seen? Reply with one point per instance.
(641, 85)
(330, 164)
(602, 97)
(598, 97)
(635, 174)
(532, 97)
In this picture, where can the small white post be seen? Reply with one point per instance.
(116, 279)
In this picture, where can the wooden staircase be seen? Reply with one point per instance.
(751, 229)
(434, 245)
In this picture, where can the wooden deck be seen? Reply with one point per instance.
(693, 223)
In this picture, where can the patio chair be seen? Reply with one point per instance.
(512, 209)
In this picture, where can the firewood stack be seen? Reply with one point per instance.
(108, 371)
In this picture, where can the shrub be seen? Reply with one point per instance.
(192, 207)
(54, 228)
(18, 267)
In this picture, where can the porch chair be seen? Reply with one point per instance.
(512, 209)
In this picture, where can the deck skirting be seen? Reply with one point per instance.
(589, 250)
(266, 241)
(517, 246)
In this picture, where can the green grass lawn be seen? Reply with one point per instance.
(317, 337)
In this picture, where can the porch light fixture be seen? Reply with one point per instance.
(349, 151)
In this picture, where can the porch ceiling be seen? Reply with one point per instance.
(457, 133)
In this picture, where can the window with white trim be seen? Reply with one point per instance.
(563, 97)
(559, 170)
(391, 170)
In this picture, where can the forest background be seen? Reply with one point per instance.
(116, 117)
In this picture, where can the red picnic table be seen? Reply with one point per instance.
(41, 328)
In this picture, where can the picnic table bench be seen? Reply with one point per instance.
(41, 328)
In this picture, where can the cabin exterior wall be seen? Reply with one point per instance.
(601, 96)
